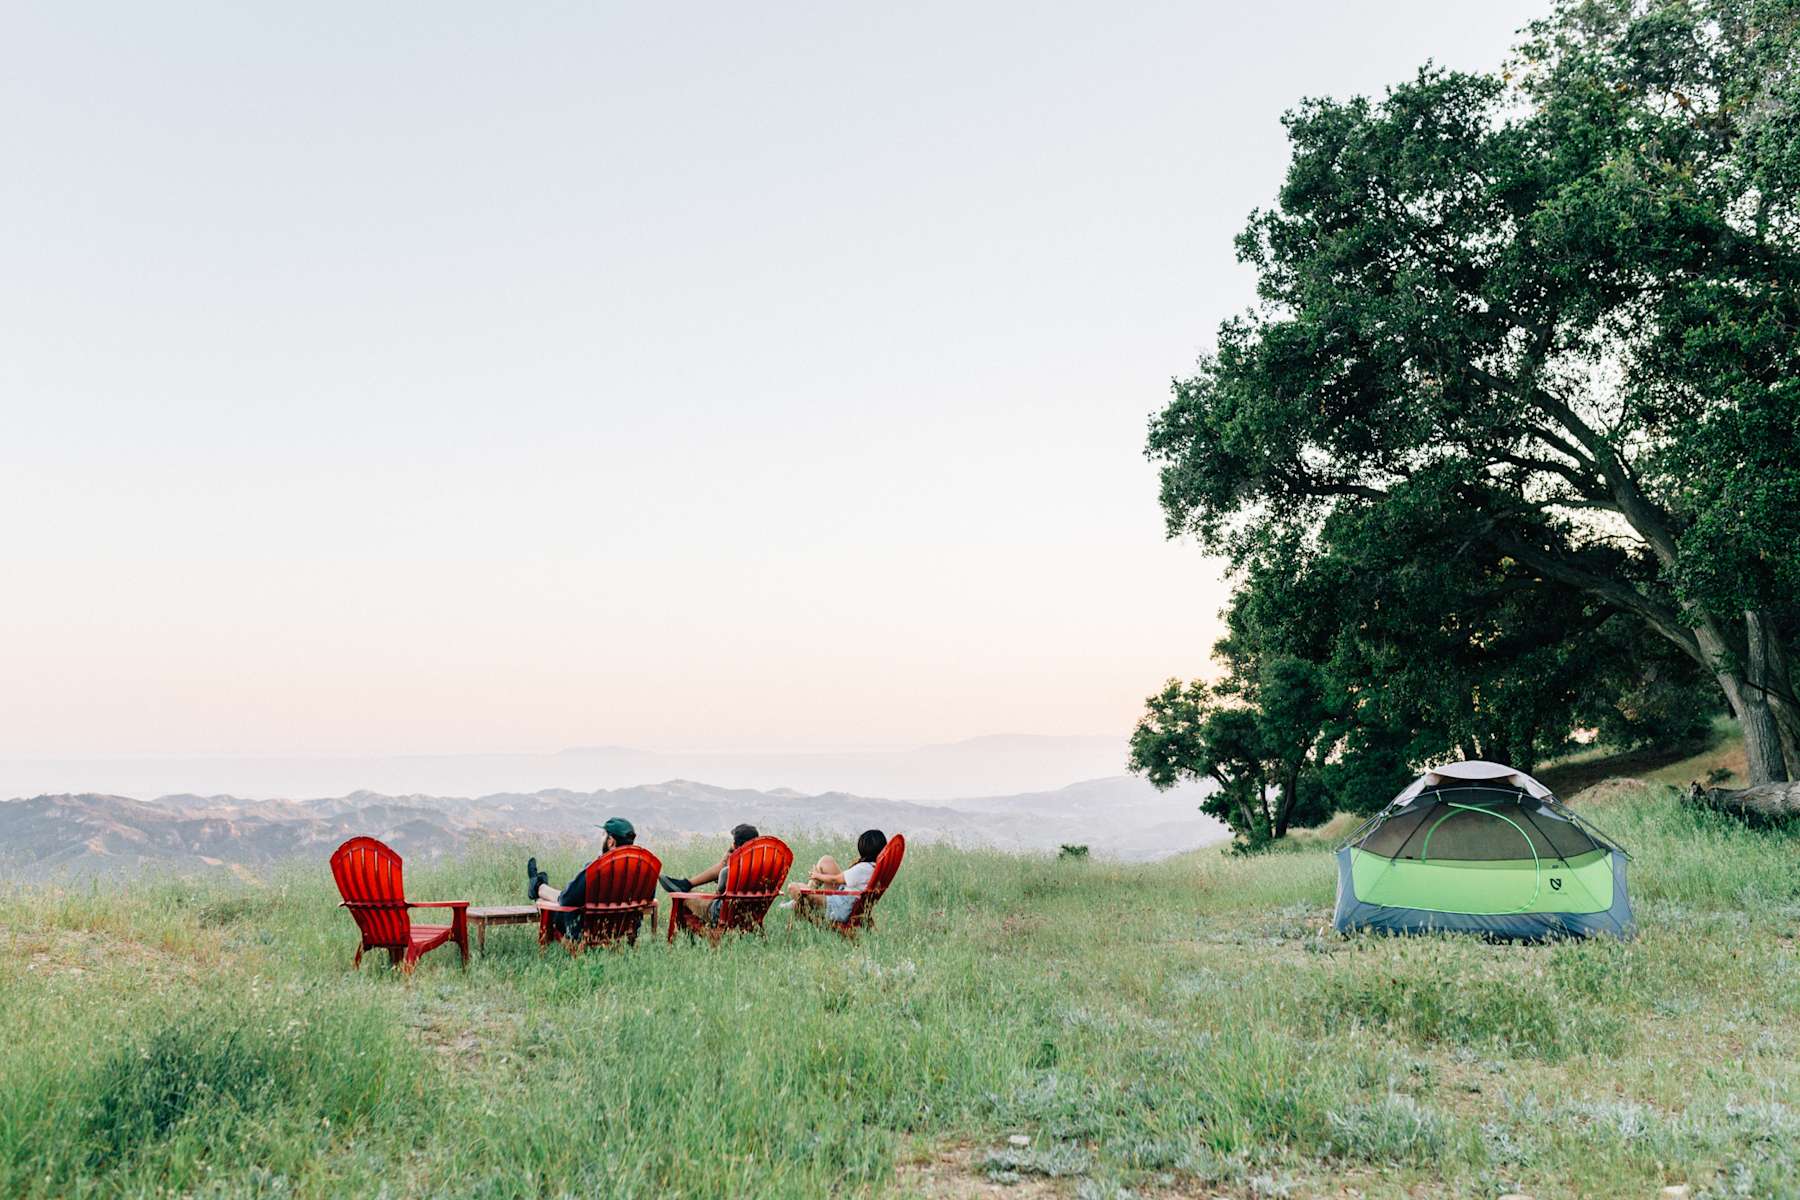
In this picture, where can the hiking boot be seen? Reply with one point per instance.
(533, 877)
(674, 883)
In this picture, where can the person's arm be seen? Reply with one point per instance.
(826, 878)
(707, 876)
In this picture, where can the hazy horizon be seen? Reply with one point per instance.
(999, 765)
(383, 382)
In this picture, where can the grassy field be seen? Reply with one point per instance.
(1183, 1028)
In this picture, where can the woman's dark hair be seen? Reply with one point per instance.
(742, 834)
(869, 845)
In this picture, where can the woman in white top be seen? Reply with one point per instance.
(827, 876)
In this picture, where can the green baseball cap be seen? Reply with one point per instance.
(619, 827)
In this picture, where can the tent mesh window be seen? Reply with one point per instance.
(1478, 823)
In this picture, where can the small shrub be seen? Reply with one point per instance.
(146, 1089)
(1391, 1129)
(1053, 1162)
(228, 910)
(1072, 851)
(219, 1068)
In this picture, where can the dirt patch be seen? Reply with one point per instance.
(1018, 923)
(1737, 761)
(1608, 791)
(959, 1173)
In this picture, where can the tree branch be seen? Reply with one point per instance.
(1661, 618)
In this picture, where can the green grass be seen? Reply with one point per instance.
(1179, 1028)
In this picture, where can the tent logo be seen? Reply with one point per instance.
(1556, 883)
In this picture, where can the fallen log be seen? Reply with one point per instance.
(1765, 803)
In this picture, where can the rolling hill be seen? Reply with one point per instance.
(75, 836)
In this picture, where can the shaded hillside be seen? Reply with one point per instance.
(1722, 758)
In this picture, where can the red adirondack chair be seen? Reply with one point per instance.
(755, 872)
(368, 878)
(862, 912)
(620, 889)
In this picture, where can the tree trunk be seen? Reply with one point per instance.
(1762, 740)
(1767, 763)
(1290, 788)
(1770, 802)
(1779, 679)
(1249, 820)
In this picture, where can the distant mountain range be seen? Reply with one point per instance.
(1006, 764)
(77, 836)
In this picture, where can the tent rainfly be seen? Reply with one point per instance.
(1477, 847)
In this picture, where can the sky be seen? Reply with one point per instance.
(437, 378)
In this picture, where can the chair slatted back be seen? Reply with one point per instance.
(887, 863)
(368, 878)
(754, 876)
(620, 889)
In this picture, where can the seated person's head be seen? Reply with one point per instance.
(870, 844)
(619, 832)
(742, 834)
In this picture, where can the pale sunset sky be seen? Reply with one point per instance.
(422, 378)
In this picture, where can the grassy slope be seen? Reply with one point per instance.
(1180, 1028)
(1722, 762)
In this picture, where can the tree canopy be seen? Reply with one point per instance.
(1521, 391)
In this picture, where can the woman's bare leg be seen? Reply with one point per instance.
(811, 907)
(826, 866)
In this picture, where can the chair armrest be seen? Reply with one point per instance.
(546, 906)
(834, 891)
(437, 904)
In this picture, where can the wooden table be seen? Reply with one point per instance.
(500, 914)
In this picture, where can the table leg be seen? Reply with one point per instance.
(481, 935)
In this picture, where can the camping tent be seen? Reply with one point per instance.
(1476, 847)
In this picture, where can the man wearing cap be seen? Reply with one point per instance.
(619, 832)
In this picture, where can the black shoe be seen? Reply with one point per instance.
(674, 883)
(532, 877)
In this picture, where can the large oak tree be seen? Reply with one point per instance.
(1558, 306)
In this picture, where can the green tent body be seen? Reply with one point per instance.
(1477, 847)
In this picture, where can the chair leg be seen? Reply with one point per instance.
(356, 963)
